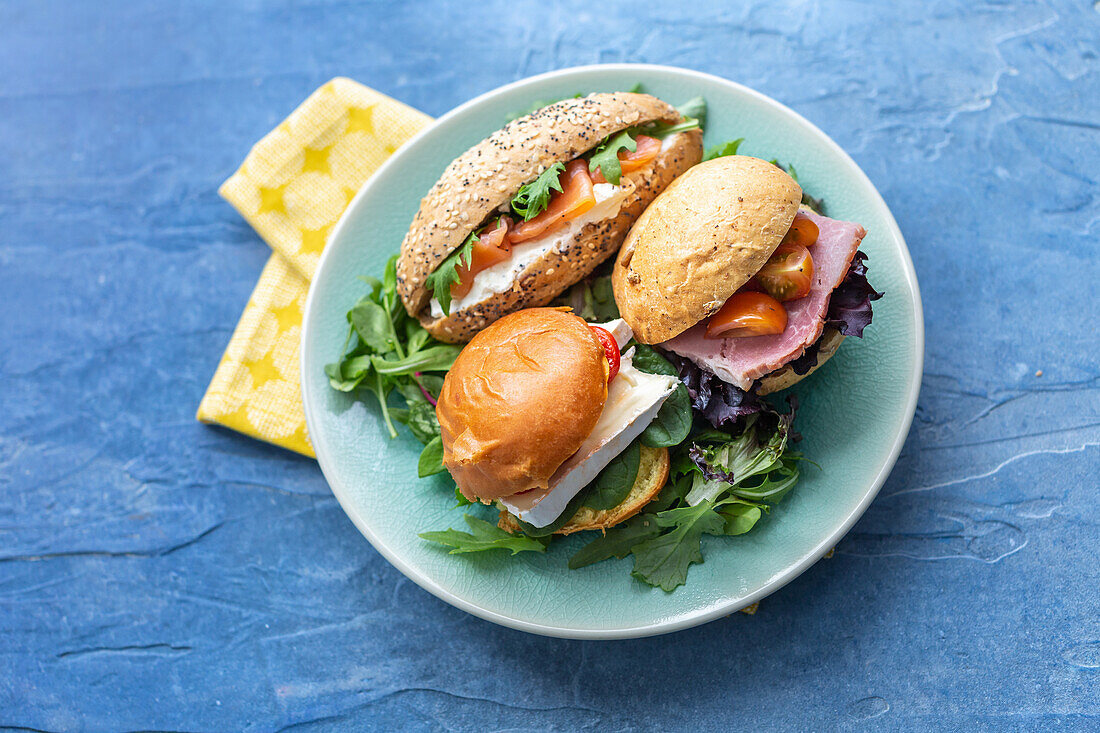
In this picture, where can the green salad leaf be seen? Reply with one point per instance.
(722, 150)
(431, 458)
(434, 358)
(532, 198)
(673, 421)
(614, 482)
(740, 516)
(721, 483)
(387, 351)
(482, 536)
(605, 157)
(616, 542)
(695, 109)
(443, 277)
(593, 298)
(663, 561)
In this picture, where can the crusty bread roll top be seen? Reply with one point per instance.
(700, 240)
(520, 399)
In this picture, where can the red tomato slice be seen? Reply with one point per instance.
(610, 349)
(490, 249)
(803, 231)
(747, 314)
(574, 199)
(789, 273)
(648, 149)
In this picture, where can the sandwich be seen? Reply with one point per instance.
(534, 208)
(745, 289)
(537, 406)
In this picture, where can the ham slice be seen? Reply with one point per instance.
(741, 361)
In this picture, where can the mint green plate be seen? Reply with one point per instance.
(854, 416)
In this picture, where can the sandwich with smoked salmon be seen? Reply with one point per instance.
(534, 208)
(743, 288)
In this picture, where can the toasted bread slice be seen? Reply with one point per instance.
(652, 475)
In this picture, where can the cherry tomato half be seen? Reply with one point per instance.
(610, 349)
(788, 274)
(803, 231)
(747, 314)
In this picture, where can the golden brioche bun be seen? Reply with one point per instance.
(520, 399)
(700, 240)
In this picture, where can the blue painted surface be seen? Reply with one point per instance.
(155, 573)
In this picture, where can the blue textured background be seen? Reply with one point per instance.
(155, 573)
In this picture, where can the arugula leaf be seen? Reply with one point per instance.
(695, 109)
(727, 148)
(616, 542)
(636, 89)
(431, 458)
(614, 482)
(482, 536)
(816, 204)
(664, 560)
(390, 350)
(443, 277)
(672, 494)
(433, 359)
(606, 156)
(532, 198)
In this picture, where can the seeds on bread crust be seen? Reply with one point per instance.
(486, 176)
(557, 270)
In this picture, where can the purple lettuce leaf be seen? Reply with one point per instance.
(721, 403)
(849, 311)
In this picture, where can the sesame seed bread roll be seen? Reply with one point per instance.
(483, 180)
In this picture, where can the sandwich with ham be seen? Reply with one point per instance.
(531, 210)
(742, 287)
(535, 409)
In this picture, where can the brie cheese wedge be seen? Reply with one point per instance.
(633, 399)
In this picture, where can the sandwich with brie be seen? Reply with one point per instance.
(531, 210)
(742, 287)
(535, 409)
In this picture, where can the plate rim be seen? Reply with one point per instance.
(688, 620)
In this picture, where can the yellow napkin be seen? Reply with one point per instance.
(292, 188)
